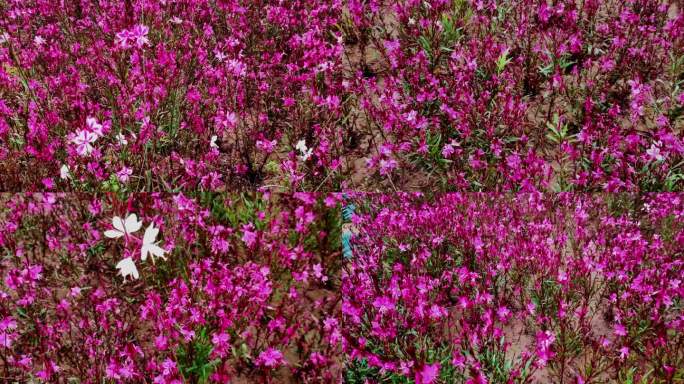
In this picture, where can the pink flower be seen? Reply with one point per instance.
(437, 312)
(168, 367)
(654, 152)
(458, 361)
(447, 151)
(383, 304)
(48, 183)
(25, 362)
(161, 342)
(7, 335)
(270, 358)
(266, 146)
(124, 174)
(427, 374)
(221, 343)
(503, 313)
(318, 273)
(84, 142)
(122, 39)
(249, 236)
(139, 34)
(94, 126)
(75, 291)
(225, 120)
(220, 340)
(544, 341)
(386, 166)
(624, 352)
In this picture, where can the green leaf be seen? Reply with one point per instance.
(502, 62)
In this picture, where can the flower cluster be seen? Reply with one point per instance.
(124, 228)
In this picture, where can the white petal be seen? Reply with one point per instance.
(157, 251)
(127, 267)
(132, 223)
(118, 223)
(113, 233)
(150, 234)
(123, 263)
(154, 250)
(64, 172)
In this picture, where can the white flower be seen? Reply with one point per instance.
(127, 268)
(121, 139)
(149, 244)
(39, 40)
(654, 151)
(84, 142)
(212, 142)
(123, 227)
(305, 152)
(64, 172)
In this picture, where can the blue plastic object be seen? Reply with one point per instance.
(346, 245)
(347, 214)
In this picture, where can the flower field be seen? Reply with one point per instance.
(342, 191)
(393, 95)
(482, 288)
(242, 288)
